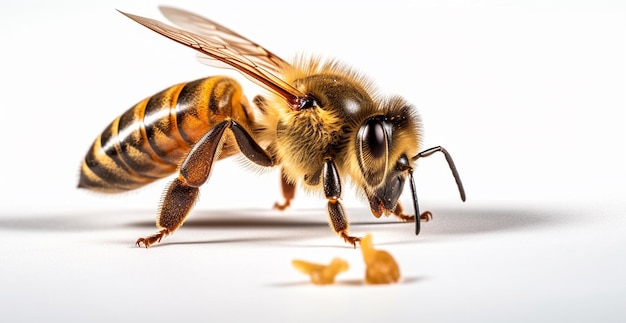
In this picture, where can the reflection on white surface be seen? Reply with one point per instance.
(486, 260)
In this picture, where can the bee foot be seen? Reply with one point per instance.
(350, 239)
(406, 218)
(283, 206)
(426, 216)
(150, 240)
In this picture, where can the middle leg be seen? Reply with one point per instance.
(332, 190)
(288, 189)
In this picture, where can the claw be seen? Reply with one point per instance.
(283, 206)
(426, 216)
(153, 239)
(350, 239)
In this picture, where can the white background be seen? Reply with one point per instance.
(528, 96)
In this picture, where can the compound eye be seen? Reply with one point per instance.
(373, 149)
(374, 138)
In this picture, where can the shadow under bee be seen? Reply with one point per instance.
(446, 221)
(304, 223)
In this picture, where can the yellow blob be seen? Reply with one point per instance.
(381, 268)
(321, 274)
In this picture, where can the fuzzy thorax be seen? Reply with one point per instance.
(301, 140)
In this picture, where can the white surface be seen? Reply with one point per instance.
(528, 97)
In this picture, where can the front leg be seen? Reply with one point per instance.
(399, 212)
(194, 171)
(332, 189)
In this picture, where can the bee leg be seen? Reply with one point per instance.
(399, 212)
(182, 192)
(194, 171)
(249, 147)
(150, 240)
(176, 204)
(336, 213)
(426, 216)
(288, 189)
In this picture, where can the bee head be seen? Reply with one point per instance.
(384, 143)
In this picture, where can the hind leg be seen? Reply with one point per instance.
(182, 192)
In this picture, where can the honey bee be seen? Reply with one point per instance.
(321, 122)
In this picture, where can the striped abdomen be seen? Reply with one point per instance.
(152, 138)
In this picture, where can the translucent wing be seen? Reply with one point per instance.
(229, 48)
(254, 53)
